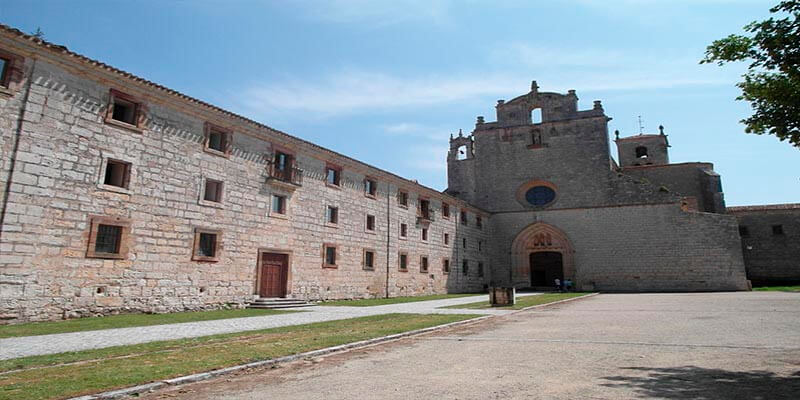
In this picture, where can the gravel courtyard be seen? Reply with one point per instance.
(742, 345)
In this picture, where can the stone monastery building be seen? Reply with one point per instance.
(124, 195)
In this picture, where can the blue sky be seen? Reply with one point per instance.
(387, 82)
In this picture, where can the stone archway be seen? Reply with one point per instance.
(539, 237)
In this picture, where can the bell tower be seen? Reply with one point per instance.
(644, 149)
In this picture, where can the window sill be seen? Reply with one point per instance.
(405, 207)
(368, 268)
(423, 272)
(370, 196)
(331, 225)
(4, 91)
(403, 237)
(209, 203)
(205, 259)
(332, 186)
(330, 266)
(124, 125)
(217, 152)
(115, 189)
(536, 146)
(370, 232)
(278, 215)
(107, 256)
(402, 270)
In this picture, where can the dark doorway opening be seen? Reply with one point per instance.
(546, 267)
(274, 275)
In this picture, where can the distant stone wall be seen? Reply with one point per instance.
(697, 180)
(633, 248)
(57, 187)
(770, 237)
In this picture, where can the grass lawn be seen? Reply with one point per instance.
(125, 321)
(73, 374)
(393, 300)
(778, 288)
(525, 301)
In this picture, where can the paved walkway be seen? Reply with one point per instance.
(76, 341)
(700, 346)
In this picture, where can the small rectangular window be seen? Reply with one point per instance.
(464, 242)
(218, 139)
(332, 215)
(465, 267)
(402, 198)
(446, 266)
(117, 173)
(743, 231)
(423, 264)
(330, 256)
(403, 262)
(480, 245)
(480, 269)
(463, 217)
(445, 210)
(403, 230)
(332, 176)
(124, 111)
(370, 222)
(213, 191)
(777, 229)
(4, 72)
(479, 222)
(425, 209)
(446, 239)
(369, 259)
(206, 245)
(370, 187)
(278, 204)
(424, 234)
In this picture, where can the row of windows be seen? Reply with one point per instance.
(369, 258)
(777, 230)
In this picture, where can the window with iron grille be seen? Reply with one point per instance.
(369, 259)
(108, 237)
(370, 222)
(423, 264)
(206, 244)
(330, 255)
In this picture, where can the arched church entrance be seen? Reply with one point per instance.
(546, 267)
(541, 253)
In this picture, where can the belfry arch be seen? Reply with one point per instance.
(539, 238)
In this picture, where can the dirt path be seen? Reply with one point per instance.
(666, 346)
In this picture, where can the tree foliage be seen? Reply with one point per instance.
(772, 82)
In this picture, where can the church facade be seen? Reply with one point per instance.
(121, 195)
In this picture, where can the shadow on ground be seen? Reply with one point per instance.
(707, 384)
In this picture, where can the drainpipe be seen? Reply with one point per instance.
(388, 233)
(13, 158)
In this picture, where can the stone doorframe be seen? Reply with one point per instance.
(539, 237)
(257, 285)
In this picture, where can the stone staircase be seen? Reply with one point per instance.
(273, 303)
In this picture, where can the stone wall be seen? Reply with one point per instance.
(632, 248)
(770, 237)
(57, 186)
(696, 180)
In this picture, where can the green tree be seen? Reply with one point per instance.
(772, 81)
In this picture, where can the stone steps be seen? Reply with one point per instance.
(276, 303)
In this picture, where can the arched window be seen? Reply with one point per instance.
(536, 116)
(641, 152)
(461, 152)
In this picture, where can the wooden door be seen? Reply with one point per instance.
(274, 275)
